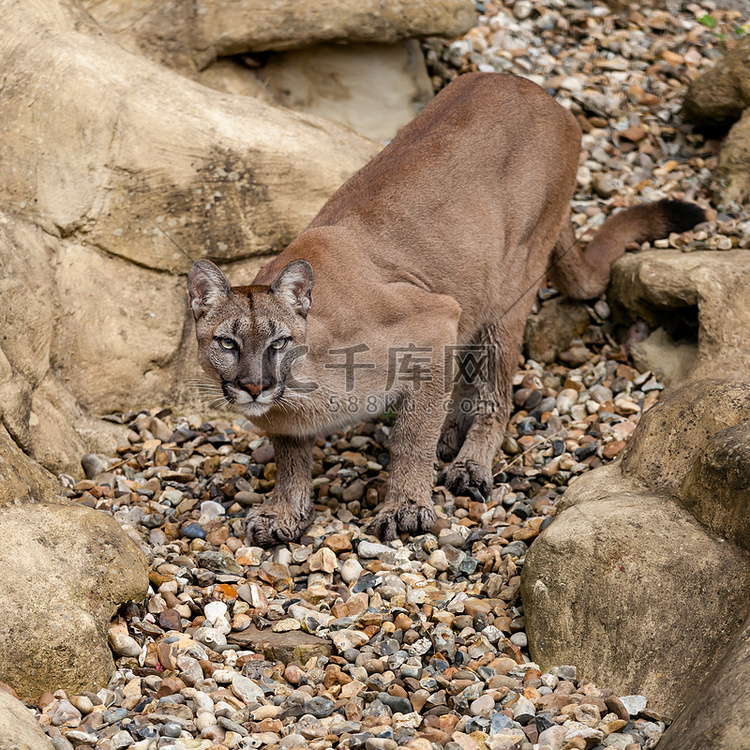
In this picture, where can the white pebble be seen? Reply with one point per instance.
(351, 570)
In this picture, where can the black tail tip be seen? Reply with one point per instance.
(679, 216)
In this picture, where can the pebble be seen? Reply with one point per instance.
(193, 531)
(634, 704)
(370, 550)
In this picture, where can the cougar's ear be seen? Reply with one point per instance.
(207, 285)
(294, 285)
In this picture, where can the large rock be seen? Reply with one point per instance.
(19, 729)
(732, 185)
(708, 290)
(671, 438)
(66, 570)
(721, 97)
(643, 579)
(191, 34)
(139, 334)
(374, 84)
(112, 197)
(721, 94)
(718, 714)
(173, 173)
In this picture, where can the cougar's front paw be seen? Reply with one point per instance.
(401, 518)
(270, 525)
(467, 478)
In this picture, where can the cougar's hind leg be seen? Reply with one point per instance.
(500, 344)
(460, 411)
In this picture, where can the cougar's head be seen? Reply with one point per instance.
(249, 337)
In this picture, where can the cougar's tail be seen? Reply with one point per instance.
(584, 274)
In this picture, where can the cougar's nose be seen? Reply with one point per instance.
(253, 389)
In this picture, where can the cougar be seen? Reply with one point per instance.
(427, 259)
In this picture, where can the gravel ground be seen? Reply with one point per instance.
(340, 641)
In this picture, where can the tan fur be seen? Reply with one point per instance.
(440, 241)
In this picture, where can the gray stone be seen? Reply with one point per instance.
(634, 703)
(122, 740)
(552, 738)
(245, 689)
(523, 710)
(375, 550)
(319, 707)
(94, 464)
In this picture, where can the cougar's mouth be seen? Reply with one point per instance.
(252, 405)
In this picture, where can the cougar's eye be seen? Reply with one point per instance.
(279, 343)
(228, 343)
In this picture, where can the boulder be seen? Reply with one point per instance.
(112, 199)
(643, 579)
(671, 438)
(717, 489)
(66, 570)
(191, 35)
(718, 714)
(721, 94)
(19, 728)
(701, 297)
(732, 184)
(720, 97)
(177, 172)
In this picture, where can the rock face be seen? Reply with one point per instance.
(22, 480)
(701, 294)
(647, 562)
(374, 89)
(19, 728)
(67, 569)
(112, 198)
(191, 34)
(721, 97)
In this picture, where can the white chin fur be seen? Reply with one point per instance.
(250, 406)
(253, 409)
